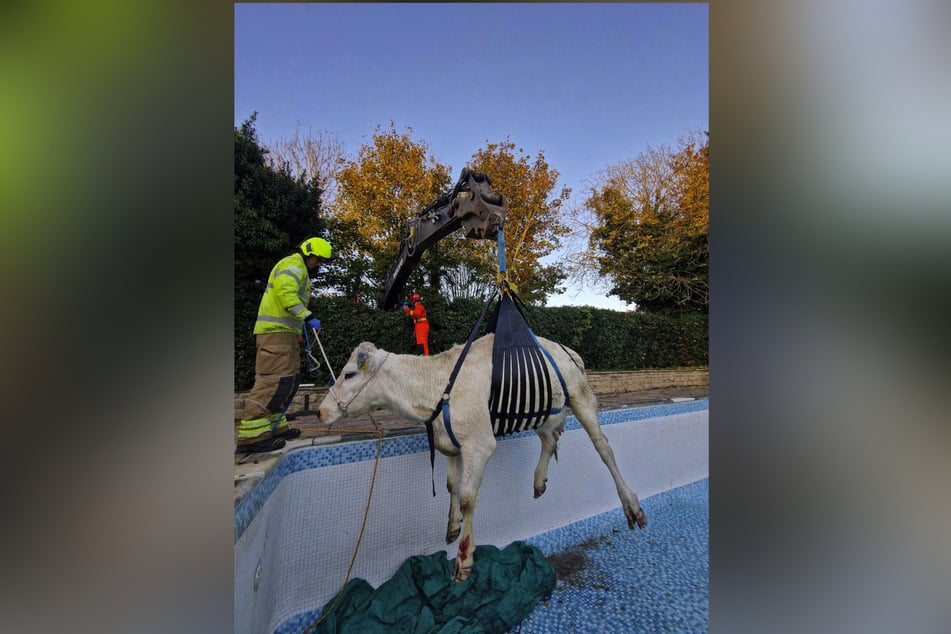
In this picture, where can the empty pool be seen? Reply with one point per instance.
(296, 532)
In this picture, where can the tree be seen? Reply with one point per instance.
(466, 281)
(390, 180)
(273, 213)
(317, 157)
(651, 226)
(535, 223)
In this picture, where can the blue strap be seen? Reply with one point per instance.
(455, 372)
(561, 379)
(443, 404)
(501, 251)
(445, 419)
(548, 356)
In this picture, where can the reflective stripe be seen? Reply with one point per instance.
(294, 323)
(270, 286)
(280, 292)
(254, 427)
(419, 320)
(292, 272)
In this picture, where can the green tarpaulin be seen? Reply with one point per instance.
(421, 598)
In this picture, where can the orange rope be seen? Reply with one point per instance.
(366, 512)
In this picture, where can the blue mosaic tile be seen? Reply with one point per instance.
(629, 415)
(298, 623)
(617, 580)
(331, 455)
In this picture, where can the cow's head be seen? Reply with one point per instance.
(357, 389)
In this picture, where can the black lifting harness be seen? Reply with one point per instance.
(521, 394)
(521, 385)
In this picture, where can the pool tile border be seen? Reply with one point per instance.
(358, 451)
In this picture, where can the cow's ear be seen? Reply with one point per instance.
(363, 360)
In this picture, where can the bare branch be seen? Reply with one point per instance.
(319, 156)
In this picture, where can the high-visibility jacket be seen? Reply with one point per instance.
(284, 303)
(420, 322)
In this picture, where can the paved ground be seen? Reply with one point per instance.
(250, 469)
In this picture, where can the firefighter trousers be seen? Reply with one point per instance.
(276, 380)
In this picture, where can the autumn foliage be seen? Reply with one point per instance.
(644, 232)
(394, 176)
(391, 179)
(651, 228)
(535, 223)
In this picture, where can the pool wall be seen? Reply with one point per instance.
(295, 533)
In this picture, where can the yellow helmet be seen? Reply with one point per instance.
(316, 246)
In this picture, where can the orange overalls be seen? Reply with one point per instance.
(418, 314)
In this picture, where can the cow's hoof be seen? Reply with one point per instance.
(459, 572)
(635, 517)
(641, 519)
(452, 534)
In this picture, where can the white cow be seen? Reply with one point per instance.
(411, 386)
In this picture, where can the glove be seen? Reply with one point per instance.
(314, 323)
(405, 307)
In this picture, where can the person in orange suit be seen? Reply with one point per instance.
(418, 314)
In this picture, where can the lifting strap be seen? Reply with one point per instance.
(443, 404)
(513, 355)
(521, 392)
(521, 306)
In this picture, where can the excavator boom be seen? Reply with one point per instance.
(471, 204)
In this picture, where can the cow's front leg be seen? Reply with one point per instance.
(465, 557)
(453, 467)
(473, 466)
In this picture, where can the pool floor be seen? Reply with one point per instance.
(613, 579)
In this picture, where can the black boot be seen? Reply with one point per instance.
(287, 433)
(261, 446)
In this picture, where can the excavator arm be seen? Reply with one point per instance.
(471, 204)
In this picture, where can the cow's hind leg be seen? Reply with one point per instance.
(474, 457)
(549, 438)
(586, 411)
(453, 473)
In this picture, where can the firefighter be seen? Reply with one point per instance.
(281, 317)
(418, 314)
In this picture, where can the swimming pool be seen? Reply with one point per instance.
(295, 533)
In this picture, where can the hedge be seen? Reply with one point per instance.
(605, 339)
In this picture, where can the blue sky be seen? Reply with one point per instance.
(589, 85)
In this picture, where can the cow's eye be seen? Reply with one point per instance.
(349, 375)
